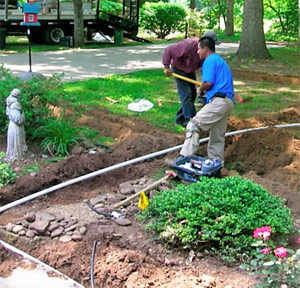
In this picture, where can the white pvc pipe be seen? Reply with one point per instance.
(37, 261)
(126, 163)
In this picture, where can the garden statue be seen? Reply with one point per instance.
(16, 142)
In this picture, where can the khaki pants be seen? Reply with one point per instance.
(213, 117)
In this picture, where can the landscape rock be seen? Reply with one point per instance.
(45, 216)
(123, 222)
(77, 150)
(17, 229)
(10, 227)
(40, 226)
(30, 233)
(56, 232)
(53, 225)
(99, 206)
(77, 237)
(30, 217)
(71, 228)
(65, 238)
(22, 233)
(82, 230)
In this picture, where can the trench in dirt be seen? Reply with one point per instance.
(126, 256)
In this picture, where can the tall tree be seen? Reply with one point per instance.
(192, 4)
(299, 23)
(229, 27)
(78, 24)
(253, 42)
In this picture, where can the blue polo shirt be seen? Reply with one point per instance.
(216, 71)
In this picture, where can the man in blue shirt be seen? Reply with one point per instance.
(217, 83)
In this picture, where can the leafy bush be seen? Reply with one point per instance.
(58, 135)
(162, 18)
(218, 214)
(7, 175)
(37, 97)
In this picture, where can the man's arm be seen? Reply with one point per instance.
(205, 86)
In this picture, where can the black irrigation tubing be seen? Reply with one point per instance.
(92, 263)
(97, 211)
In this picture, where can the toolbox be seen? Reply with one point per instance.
(191, 168)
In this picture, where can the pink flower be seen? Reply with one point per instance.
(284, 286)
(266, 250)
(264, 232)
(280, 252)
(299, 240)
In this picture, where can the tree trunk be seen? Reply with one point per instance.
(78, 24)
(193, 4)
(253, 42)
(229, 30)
(299, 23)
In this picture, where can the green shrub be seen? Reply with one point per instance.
(162, 18)
(216, 214)
(58, 135)
(37, 97)
(7, 175)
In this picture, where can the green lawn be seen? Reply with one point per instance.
(265, 97)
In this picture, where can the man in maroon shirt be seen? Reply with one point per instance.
(184, 60)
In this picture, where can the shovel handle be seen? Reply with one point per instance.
(150, 187)
(186, 79)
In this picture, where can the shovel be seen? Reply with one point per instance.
(148, 188)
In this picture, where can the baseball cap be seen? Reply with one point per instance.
(211, 34)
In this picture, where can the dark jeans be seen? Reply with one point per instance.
(187, 94)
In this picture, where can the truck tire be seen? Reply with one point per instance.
(53, 34)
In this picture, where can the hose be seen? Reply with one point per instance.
(92, 263)
(126, 163)
(97, 211)
(37, 261)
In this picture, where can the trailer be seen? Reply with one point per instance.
(57, 20)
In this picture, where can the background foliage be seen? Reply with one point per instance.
(163, 18)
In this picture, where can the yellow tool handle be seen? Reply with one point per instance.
(186, 79)
(150, 187)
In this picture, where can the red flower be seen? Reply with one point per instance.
(266, 250)
(264, 232)
(280, 252)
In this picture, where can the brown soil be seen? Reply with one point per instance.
(127, 256)
(260, 76)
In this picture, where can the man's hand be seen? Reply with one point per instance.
(168, 72)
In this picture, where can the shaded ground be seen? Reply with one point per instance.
(126, 256)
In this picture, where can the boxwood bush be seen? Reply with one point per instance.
(216, 214)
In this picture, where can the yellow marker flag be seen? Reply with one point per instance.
(143, 201)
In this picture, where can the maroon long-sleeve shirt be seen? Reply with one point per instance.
(183, 56)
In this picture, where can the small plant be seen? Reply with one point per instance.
(217, 215)
(278, 267)
(58, 135)
(7, 175)
(30, 169)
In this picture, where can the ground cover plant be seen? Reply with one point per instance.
(7, 175)
(217, 215)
